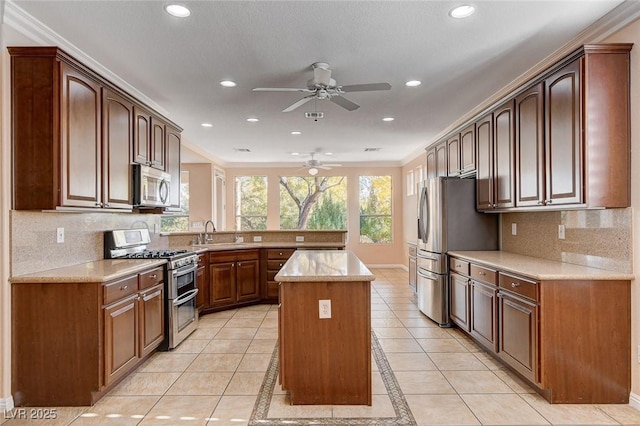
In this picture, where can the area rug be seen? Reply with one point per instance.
(403, 415)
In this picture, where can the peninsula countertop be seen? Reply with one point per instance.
(324, 265)
(540, 269)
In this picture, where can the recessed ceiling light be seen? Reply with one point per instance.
(207, 125)
(228, 83)
(296, 132)
(388, 119)
(295, 153)
(413, 83)
(463, 11)
(177, 10)
(328, 153)
(252, 120)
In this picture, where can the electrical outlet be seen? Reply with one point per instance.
(239, 239)
(561, 232)
(514, 229)
(324, 308)
(299, 239)
(197, 225)
(60, 235)
(257, 239)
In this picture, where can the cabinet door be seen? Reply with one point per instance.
(518, 340)
(248, 280)
(117, 139)
(172, 166)
(468, 149)
(459, 300)
(431, 171)
(151, 319)
(141, 136)
(503, 146)
(81, 117)
(484, 163)
(157, 147)
(453, 156)
(120, 338)
(441, 159)
(529, 121)
(222, 286)
(563, 135)
(201, 281)
(483, 314)
(413, 273)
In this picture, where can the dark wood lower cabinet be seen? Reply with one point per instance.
(120, 338)
(570, 339)
(518, 334)
(234, 278)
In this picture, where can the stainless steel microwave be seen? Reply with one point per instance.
(150, 187)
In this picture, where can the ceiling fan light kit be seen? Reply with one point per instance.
(322, 86)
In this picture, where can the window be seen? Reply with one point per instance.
(410, 183)
(318, 202)
(251, 202)
(375, 209)
(419, 174)
(180, 221)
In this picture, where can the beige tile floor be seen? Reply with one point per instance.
(215, 376)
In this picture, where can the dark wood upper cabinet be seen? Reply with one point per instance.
(468, 149)
(441, 159)
(158, 143)
(172, 165)
(117, 138)
(453, 156)
(142, 136)
(503, 146)
(563, 148)
(431, 171)
(484, 163)
(530, 169)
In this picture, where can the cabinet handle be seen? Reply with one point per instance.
(458, 265)
(154, 276)
(548, 201)
(124, 287)
(540, 202)
(239, 264)
(106, 204)
(514, 285)
(233, 264)
(281, 265)
(280, 254)
(481, 273)
(98, 204)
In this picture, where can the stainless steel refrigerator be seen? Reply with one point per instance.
(447, 220)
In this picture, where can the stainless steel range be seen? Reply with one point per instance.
(181, 313)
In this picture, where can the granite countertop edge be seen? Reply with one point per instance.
(539, 269)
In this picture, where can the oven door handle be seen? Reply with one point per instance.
(184, 271)
(191, 294)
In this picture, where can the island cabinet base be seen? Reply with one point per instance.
(325, 361)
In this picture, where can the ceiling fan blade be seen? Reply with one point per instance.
(322, 76)
(365, 87)
(332, 165)
(345, 103)
(281, 89)
(299, 103)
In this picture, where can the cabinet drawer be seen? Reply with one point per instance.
(484, 274)
(202, 260)
(151, 278)
(117, 290)
(459, 266)
(521, 286)
(279, 253)
(275, 265)
(232, 256)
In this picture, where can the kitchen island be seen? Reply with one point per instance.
(324, 328)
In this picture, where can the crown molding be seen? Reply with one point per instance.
(618, 18)
(18, 19)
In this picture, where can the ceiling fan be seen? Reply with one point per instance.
(313, 165)
(322, 86)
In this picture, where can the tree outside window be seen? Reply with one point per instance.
(318, 202)
(251, 203)
(180, 221)
(375, 209)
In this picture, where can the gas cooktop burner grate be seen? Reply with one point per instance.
(156, 254)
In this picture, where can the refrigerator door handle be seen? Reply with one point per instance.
(427, 275)
(423, 223)
(426, 255)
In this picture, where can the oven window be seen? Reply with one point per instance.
(186, 282)
(186, 314)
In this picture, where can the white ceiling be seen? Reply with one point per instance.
(178, 63)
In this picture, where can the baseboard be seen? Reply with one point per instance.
(387, 266)
(6, 404)
(634, 401)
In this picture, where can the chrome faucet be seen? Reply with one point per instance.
(208, 238)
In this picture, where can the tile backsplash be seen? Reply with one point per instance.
(596, 238)
(33, 237)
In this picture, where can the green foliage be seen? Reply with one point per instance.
(174, 223)
(313, 202)
(375, 209)
(251, 202)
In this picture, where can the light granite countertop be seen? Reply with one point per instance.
(242, 246)
(540, 269)
(324, 265)
(91, 272)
